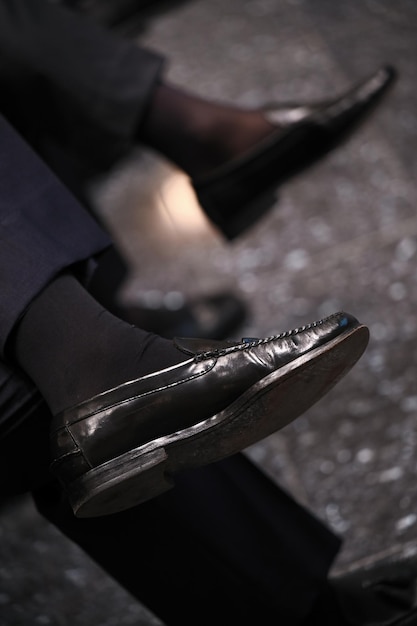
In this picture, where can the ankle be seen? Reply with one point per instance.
(198, 135)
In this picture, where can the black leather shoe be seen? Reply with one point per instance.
(235, 195)
(124, 446)
(212, 316)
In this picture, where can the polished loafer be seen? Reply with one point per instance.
(238, 193)
(124, 446)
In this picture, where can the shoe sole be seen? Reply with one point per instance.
(269, 405)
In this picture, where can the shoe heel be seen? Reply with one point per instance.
(120, 483)
(249, 214)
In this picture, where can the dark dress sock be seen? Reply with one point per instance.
(72, 348)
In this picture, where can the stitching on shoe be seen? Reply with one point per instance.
(209, 354)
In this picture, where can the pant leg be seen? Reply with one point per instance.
(42, 228)
(24, 435)
(225, 546)
(88, 86)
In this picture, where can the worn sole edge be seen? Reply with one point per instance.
(268, 406)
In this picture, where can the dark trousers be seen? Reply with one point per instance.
(69, 80)
(77, 92)
(226, 545)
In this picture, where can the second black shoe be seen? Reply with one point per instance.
(237, 194)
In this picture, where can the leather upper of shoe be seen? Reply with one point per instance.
(332, 117)
(214, 374)
(286, 115)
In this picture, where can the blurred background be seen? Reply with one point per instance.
(343, 235)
